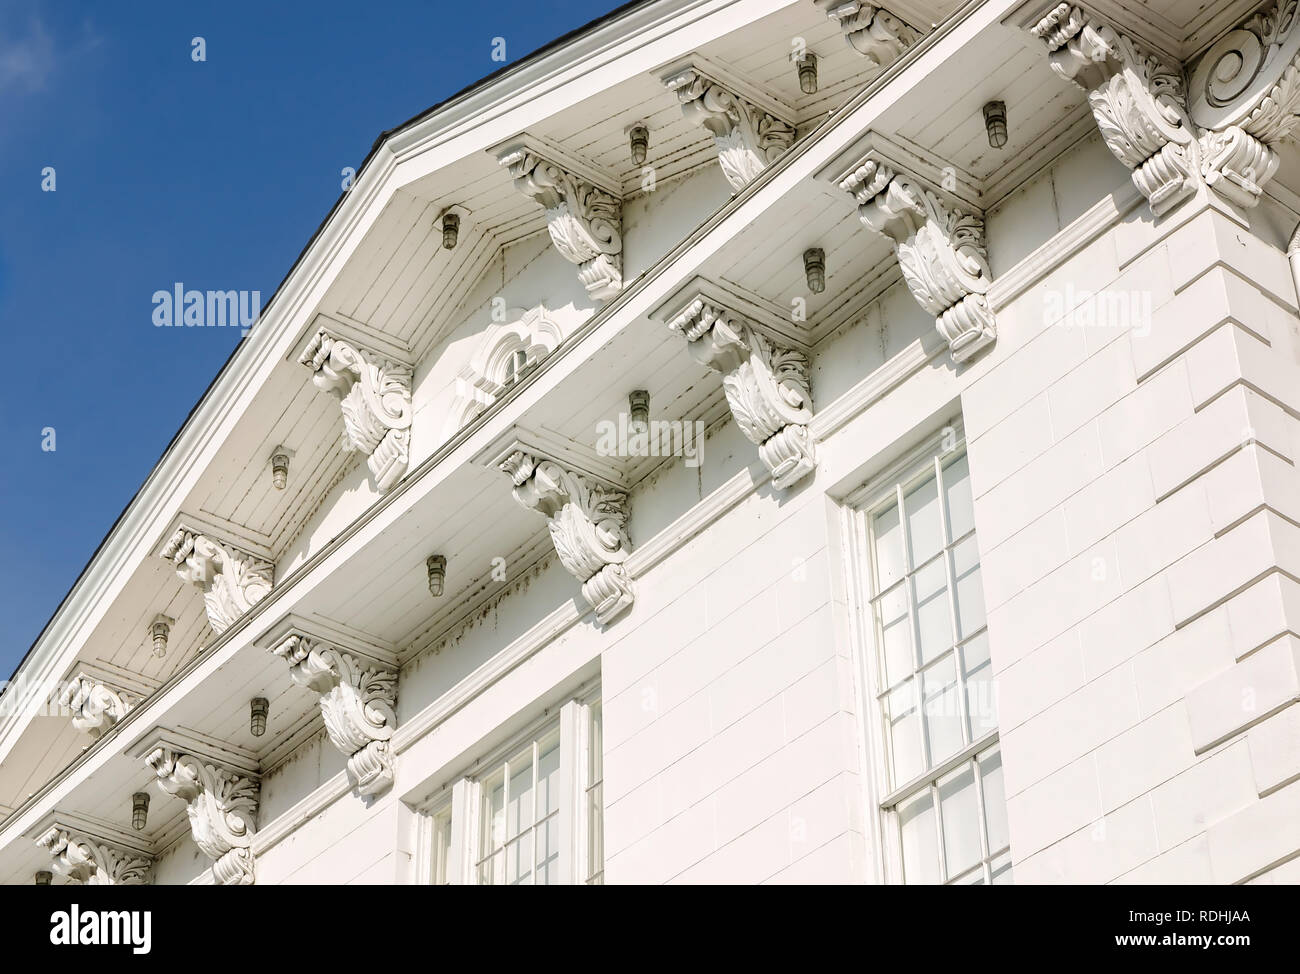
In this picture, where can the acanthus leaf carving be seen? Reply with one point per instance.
(1250, 77)
(872, 31)
(587, 523)
(358, 698)
(374, 394)
(585, 221)
(767, 385)
(1139, 102)
(232, 580)
(1245, 95)
(749, 138)
(940, 249)
(96, 706)
(90, 861)
(222, 809)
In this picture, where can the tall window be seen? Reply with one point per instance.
(932, 677)
(519, 837)
(531, 813)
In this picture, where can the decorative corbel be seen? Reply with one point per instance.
(96, 705)
(357, 700)
(375, 395)
(584, 220)
(749, 137)
(93, 861)
(1244, 93)
(1138, 99)
(872, 31)
(232, 580)
(588, 525)
(766, 383)
(222, 808)
(940, 250)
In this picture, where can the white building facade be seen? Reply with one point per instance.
(748, 441)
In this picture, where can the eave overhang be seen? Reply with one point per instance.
(261, 349)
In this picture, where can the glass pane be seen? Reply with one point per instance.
(970, 590)
(441, 846)
(548, 852)
(905, 733)
(1002, 870)
(595, 804)
(923, 524)
(889, 547)
(920, 843)
(895, 635)
(931, 592)
(957, 497)
(959, 806)
(494, 818)
(519, 814)
(519, 860)
(491, 872)
(995, 801)
(548, 778)
(943, 719)
(595, 747)
(981, 688)
(595, 834)
(974, 877)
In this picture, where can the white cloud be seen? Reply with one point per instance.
(26, 58)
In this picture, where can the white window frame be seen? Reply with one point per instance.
(466, 798)
(891, 484)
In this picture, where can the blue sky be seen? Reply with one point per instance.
(210, 173)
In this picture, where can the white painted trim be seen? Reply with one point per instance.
(284, 320)
(464, 832)
(758, 95)
(874, 387)
(553, 152)
(572, 734)
(1095, 221)
(215, 416)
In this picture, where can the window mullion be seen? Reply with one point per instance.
(505, 821)
(938, 828)
(913, 635)
(533, 828)
(950, 580)
(983, 817)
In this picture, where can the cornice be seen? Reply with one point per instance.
(129, 841)
(264, 347)
(353, 332)
(219, 529)
(578, 457)
(759, 95)
(251, 362)
(326, 631)
(199, 746)
(1155, 31)
(552, 151)
(957, 188)
(770, 319)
